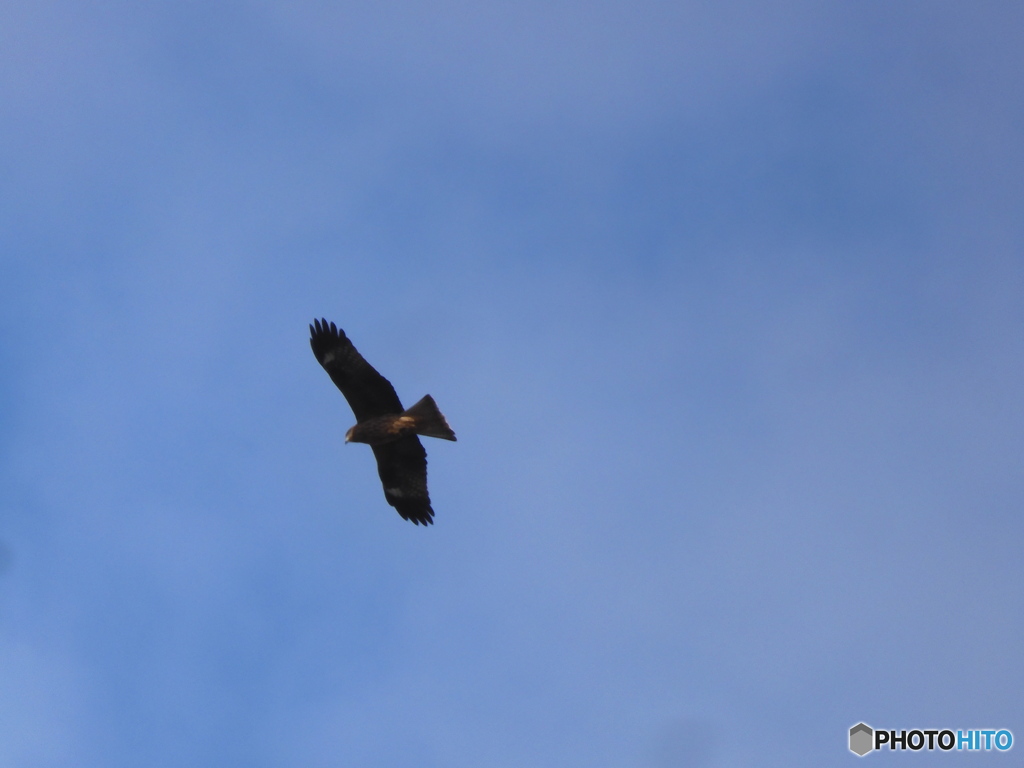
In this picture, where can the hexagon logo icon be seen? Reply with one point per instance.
(861, 739)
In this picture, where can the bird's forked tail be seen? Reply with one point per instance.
(430, 422)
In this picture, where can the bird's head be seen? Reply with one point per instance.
(348, 435)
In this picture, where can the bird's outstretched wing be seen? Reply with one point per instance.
(402, 466)
(369, 393)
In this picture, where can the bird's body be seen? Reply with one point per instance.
(424, 418)
(382, 423)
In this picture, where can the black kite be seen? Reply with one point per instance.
(382, 422)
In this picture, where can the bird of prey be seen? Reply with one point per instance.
(382, 422)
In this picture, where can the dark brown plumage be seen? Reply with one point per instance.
(381, 422)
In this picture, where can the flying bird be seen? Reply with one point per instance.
(389, 429)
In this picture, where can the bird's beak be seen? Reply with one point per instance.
(348, 436)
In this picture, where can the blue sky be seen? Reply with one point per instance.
(724, 301)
